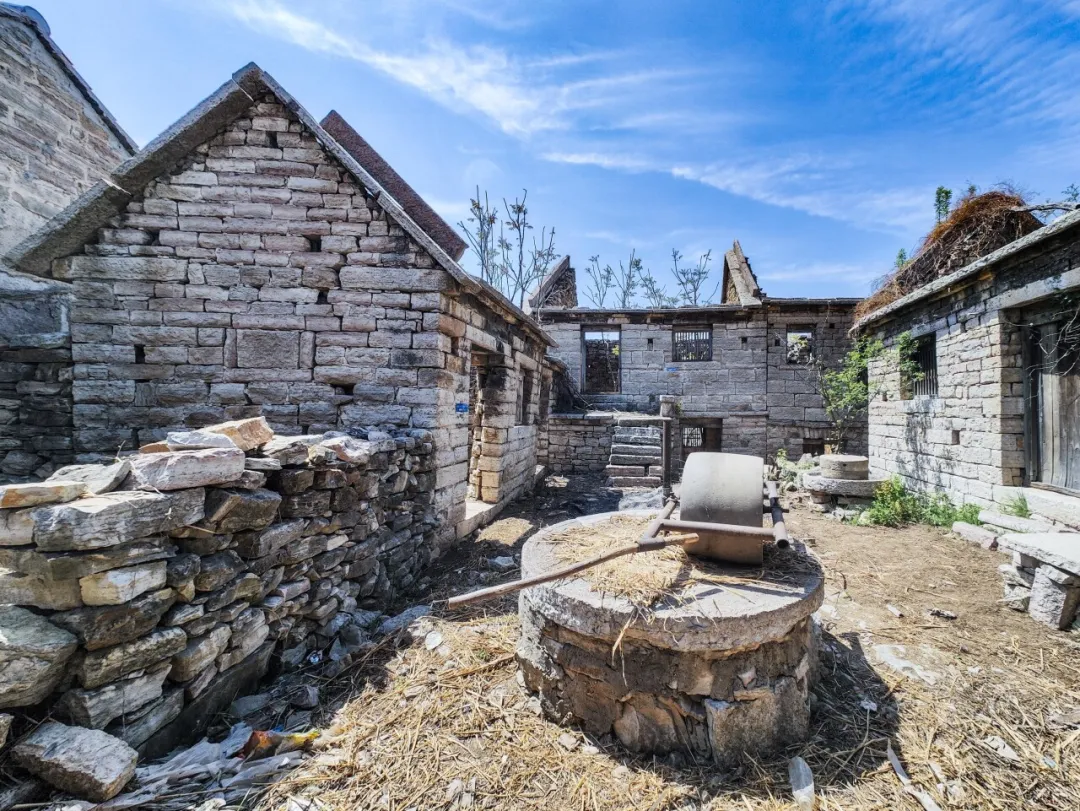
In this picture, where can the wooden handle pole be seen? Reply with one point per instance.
(650, 545)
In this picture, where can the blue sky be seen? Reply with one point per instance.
(815, 133)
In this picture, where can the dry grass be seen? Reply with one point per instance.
(978, 225)
(443, 728)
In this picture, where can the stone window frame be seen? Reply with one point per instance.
(799, 358)
(697, 333)
(925, 358)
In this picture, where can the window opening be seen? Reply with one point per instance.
(691, 344)
(926, 382)
(526, 397)
(602, 351)
(800, 344)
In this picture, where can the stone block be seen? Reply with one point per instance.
(267, 349)
(237, 510)
(16, 527)
(199, 654)
(103, 666)
(97, 478)
(163, 711)
(118, 586)
(84, 762)
(248, 644)
(35, 494)
(19, 588)
(268, 541)
(97, 708)
(183, 470)
(1053, 603)
(217, 570)
(246, 434)
(104, 626)
(33, 655)
(980, 535)
(114, 518)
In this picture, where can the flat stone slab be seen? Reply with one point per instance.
(35, 494)
(1060, 549)
(980, 535)
(114, 518)
(841, 487)
(181, 470)
(703, 617)
(246, 434)
(85, 762)
(1015, 522)
(97, 478)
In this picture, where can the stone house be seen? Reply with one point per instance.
(254, 261)
(996, 410)
(736, 370)
(56, 140)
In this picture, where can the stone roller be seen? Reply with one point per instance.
(721, 518)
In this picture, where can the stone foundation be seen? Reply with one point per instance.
(713, 674)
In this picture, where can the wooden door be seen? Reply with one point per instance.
(1057, 378)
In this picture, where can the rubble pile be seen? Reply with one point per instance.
(141, 597)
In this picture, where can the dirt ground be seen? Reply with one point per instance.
(982, 710)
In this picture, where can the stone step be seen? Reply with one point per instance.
(638, 436)
(625, 470)
(637, 461)
(634, 481)
(1015, 523)
(980, 535)
(635, 450)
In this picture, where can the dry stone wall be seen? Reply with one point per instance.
(579, 443)
(148, 592)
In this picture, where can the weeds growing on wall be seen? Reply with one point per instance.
(895, 505)
(1018, 507)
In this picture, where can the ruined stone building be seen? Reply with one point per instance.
(734, 372)
(254, 261)
(995, 411)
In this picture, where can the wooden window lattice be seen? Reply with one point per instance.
(926, 361)
(691, 344)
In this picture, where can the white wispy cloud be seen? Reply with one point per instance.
(631, 163)
(521, 96)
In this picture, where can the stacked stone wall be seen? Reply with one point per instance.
(56, 144)
(969, 439)
(579, 443)
(154, 604)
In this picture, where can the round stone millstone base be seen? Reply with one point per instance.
(702, 675)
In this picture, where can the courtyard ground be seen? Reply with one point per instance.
(983, 710)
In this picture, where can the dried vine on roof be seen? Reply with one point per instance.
(978, 225)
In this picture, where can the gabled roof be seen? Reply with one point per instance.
(538, 296)
(421, 213)
(737, 268)
(32, 18)
(69, 230)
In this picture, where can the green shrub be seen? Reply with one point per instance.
(894, 506)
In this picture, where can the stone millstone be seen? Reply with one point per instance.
(84, 762)
(185, 469)
(33, 495)
(33, 653)
(842, 466)
(841, 487)
(97, 478)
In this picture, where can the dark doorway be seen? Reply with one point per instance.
(601, 349)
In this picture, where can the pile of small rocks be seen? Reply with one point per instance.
(139, 598)
(1043, 577)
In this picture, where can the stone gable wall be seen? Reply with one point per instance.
(257, 278)
(969, 440)
(55, 144)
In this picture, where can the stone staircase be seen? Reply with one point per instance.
(636, 457)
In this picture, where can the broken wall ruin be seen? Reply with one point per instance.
(144, 610)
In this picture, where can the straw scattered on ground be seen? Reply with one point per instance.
(450, 728)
